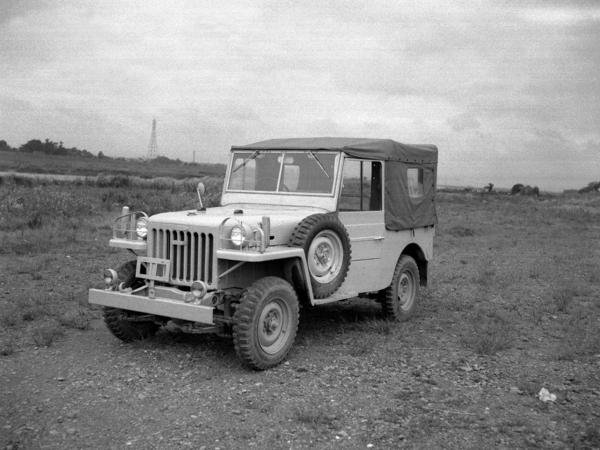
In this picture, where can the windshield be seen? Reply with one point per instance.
(282, 172)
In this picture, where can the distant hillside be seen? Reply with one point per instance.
(50, 157)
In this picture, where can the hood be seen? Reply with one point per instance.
(283, 218)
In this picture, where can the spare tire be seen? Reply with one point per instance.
(326, 245)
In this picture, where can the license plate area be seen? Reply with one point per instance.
(156, 269)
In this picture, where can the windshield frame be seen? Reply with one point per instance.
(278, 191)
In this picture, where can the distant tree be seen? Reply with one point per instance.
(34, 145)
(516, 189)
(593, 186)
(101, 154)
(4, 147)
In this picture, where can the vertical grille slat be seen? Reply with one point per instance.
(191, 253)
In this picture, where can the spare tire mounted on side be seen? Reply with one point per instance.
(326, 245)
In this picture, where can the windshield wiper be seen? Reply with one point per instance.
(246, 161)
(319, 163)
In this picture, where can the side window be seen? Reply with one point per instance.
(361, 186)
(415, 182)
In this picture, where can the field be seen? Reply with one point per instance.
(71, 165)
(512, 307)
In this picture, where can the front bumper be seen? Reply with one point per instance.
(159, 306)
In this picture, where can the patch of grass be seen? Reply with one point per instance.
(7, 345)
(9, 316)
(485, 276)
(382, 327)
(588, 439)
(315, 417)
(45, 334)
(489, 333)
(78, 319)
(534, 272)
(563, 298)
(461, 231)
(362, 347)
(34, 307)
(581, 337)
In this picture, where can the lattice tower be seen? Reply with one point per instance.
(153, 146)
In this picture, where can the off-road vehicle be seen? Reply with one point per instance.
(302, 222)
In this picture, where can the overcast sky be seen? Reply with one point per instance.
(508, 91)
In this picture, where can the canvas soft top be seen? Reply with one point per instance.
(403, 209)
(382, 149)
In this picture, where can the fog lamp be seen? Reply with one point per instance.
(199, 289)
(110, 277)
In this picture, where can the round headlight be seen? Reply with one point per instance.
(141, 227)
(237, 236)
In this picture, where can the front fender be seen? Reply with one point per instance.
(289, 256)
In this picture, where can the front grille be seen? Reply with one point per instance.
(191, 253)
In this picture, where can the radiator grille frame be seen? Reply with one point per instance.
(192, 253)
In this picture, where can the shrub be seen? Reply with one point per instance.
(490, 333)
(45, 334)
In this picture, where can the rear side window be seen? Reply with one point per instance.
(415, 182)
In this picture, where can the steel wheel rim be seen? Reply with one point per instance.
(273, 326)
(406, 290)
(325, 256)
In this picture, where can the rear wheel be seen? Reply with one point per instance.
(123, 324)
(265, 323)
(399, 299)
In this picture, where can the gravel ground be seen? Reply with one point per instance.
(505, 315)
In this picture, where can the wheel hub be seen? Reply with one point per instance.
(405, 290)
(271, 322)
(323, 254)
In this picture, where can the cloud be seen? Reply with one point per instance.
(461, 75)
(462, 122)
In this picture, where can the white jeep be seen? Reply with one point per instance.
(302, 221)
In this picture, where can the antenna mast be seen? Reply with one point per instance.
(153, 146)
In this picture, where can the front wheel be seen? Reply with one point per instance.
(265, 323)
(399, 299)
(123, 324)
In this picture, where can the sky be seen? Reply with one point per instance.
(509, 91)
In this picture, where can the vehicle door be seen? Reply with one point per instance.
(360, 208)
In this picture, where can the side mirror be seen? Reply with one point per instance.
(200, 189)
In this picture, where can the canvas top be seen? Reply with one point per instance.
(382, 149)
